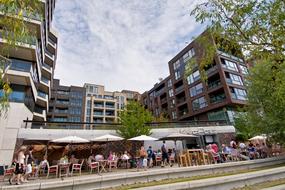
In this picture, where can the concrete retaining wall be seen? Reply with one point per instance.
(108, 180)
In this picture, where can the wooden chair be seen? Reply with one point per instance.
(172, 159)
(183, 161)
(52, 169)
(158, 159)
(112, 164)
(208, 157)
(77, 167)
(8, 172)
(94, 165)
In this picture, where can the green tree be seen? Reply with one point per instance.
(13, 30)
(133, 119)
(258, 28)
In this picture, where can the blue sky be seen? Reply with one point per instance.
(122, 44)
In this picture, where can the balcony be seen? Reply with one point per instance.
(214, 84)
(183, 112)
(159, 92)
(51, 45)
(230, 56)
(62, 102)
(217, 99)
(110, 106)
(49, 57)
(96, 113)
(61, 111)
(98, 105)
(212, 69)
(179, 89)
(181, 100)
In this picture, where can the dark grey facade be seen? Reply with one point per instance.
(67, 103)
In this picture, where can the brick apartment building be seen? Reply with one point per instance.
(182, 98)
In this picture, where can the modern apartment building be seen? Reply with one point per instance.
(104, 106)
(67, 103)
(29, 71)
(190, 98)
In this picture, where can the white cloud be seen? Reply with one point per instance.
(122, 44)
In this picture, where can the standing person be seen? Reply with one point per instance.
(142, 156)
(19, 171)
(233, 144)
(29, 162)
(149, 156)
(165, 158)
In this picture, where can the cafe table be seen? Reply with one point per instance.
(102, 165)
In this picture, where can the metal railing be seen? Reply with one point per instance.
(115, 126)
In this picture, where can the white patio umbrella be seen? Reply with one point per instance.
(143, 138)
(107, 137)
(259, 137)
(71, 140)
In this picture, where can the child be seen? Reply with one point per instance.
(145, 163)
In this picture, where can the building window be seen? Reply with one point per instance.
(74, 119)
(230, 65)
(243, 69)
(188, 55)
(169, 83)
(193, 77)
(199, 103)
(176, 65)
(177, 75)
(239, 94)
(174, 116)
(235, 79)
(195, 90)
(170, 92)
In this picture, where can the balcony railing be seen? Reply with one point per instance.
(61, 111)
(212, 69)
(98, 113)
(99, 105)
(42, 94)
(38, 110)
(46, 66)
(51, 41)
(180, 88)
(50, 54)
(214, 84)
(180, 100)
(110, 106)
(230, 56)
(62, 102)
(217, 99)
(45, 80)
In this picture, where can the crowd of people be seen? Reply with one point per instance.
(24, 162)
(238, 151)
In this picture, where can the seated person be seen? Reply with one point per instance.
(73, 160)
(43, 164)
(252, 151)
(99, 157)
(225, 152)
(125, 156)
(91, 159)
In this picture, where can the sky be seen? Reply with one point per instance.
(122, 44)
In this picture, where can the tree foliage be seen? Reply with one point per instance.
(14, 15)
(258, 28)
(133, 119)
